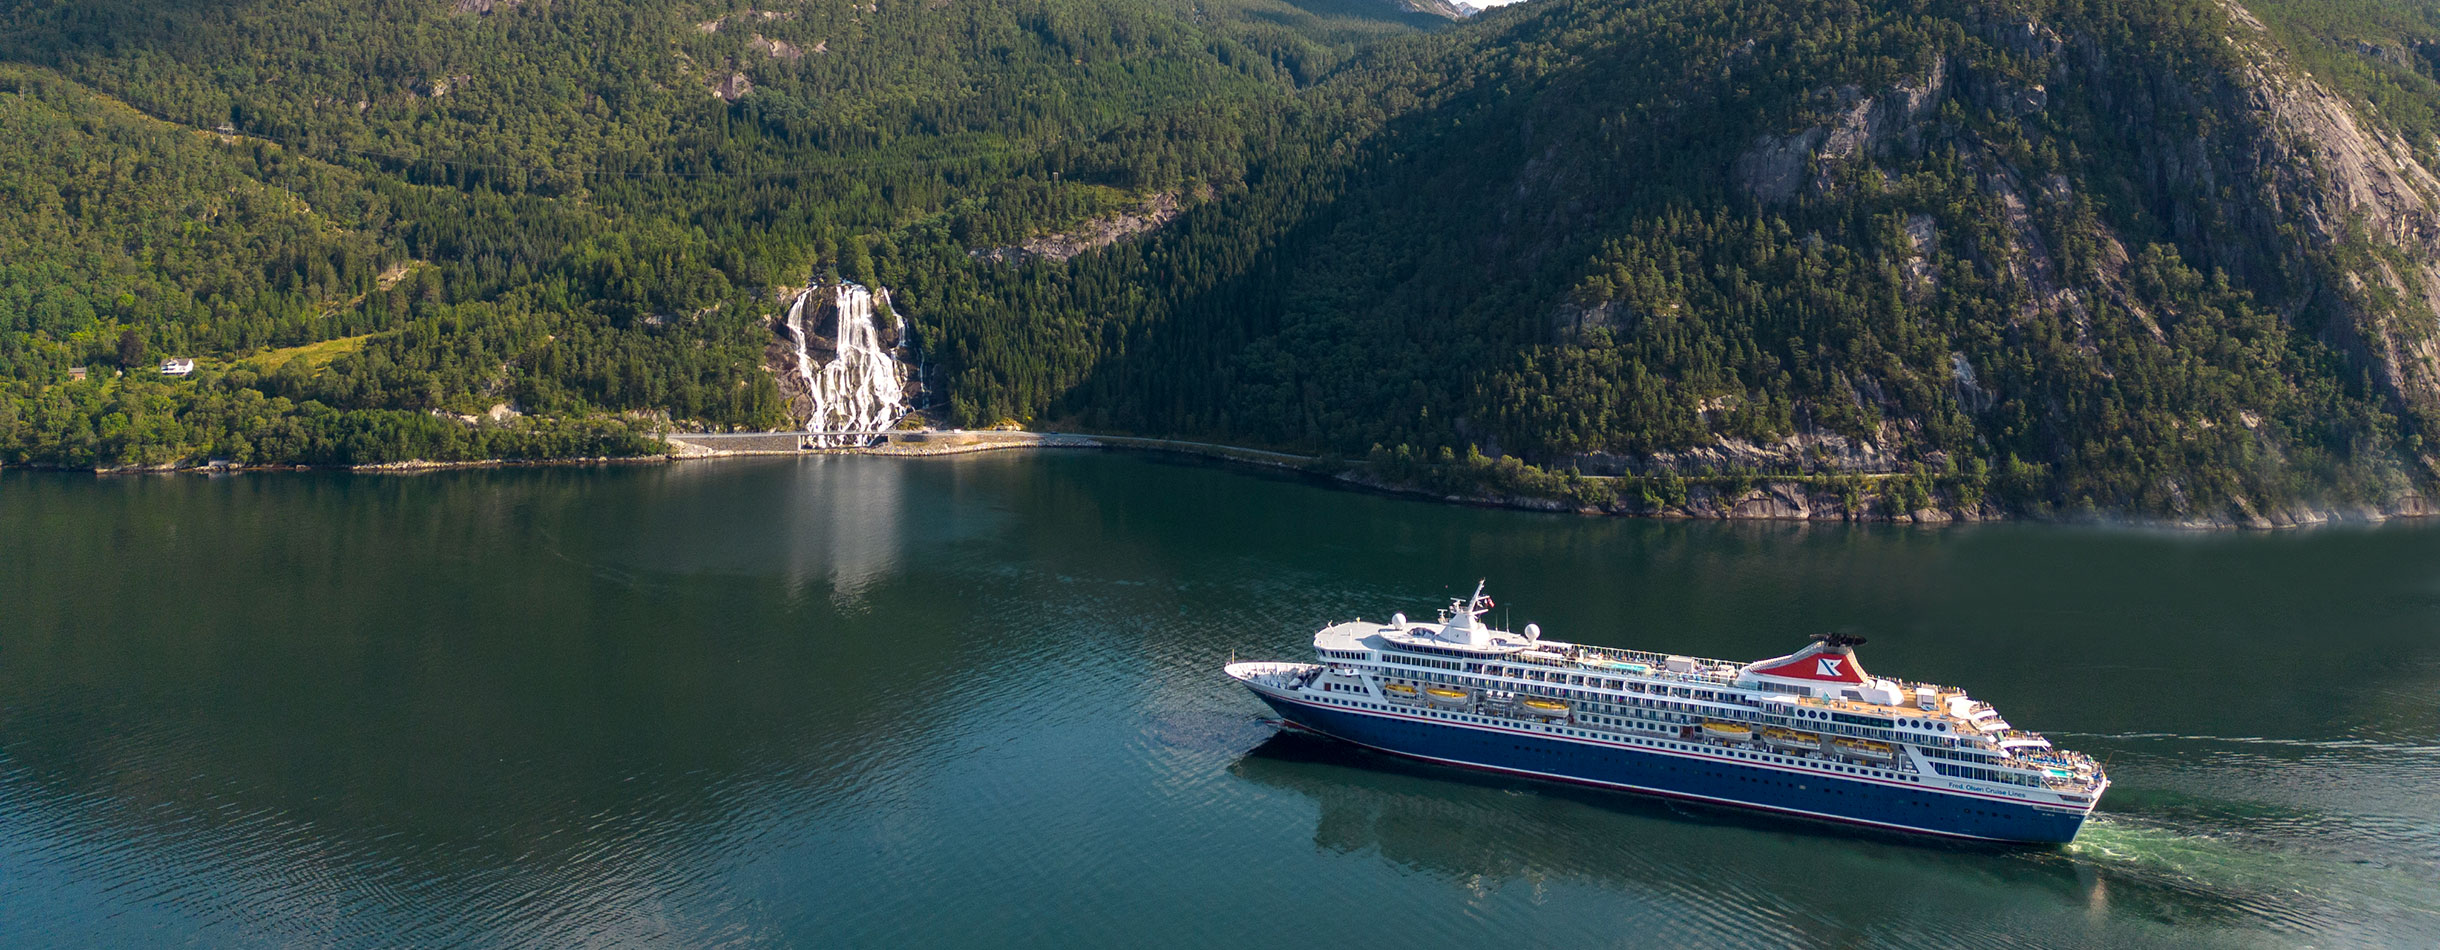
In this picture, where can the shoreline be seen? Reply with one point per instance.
(1782, 499)
(1763, 498)
(408, 467)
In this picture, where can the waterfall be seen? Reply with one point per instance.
(857, 396)
(796, 332)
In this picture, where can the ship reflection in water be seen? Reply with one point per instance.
(1690, 867)
(970, 702)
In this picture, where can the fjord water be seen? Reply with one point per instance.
(976, 702)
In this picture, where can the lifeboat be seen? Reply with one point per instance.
(1543, 707)
(1731, 731)
(1446, 696)
(1399, 691)
(1791, 740)
(1865, 750)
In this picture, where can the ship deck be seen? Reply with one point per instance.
(1653, 668)
(1580, 656)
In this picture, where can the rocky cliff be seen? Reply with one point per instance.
(2126, 257)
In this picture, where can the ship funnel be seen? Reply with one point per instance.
(1824, 668)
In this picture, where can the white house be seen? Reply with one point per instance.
(177, 367)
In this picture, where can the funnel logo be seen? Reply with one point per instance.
(1828, 667)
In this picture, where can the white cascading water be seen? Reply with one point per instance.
(857, 396)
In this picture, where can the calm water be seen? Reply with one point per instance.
(976, 702)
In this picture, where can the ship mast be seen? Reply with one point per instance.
(1464, 612)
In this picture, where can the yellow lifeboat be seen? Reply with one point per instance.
(1865, 749)
(1399, 691)
(1791, 740)
(1543, 707)
(1446, 696)
(1732, 731)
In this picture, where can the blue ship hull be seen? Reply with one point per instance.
(1687, 775)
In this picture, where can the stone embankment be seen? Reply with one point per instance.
(928, 442)
(962, 442)
(703, 445)
(1850, 498)
(698, 445)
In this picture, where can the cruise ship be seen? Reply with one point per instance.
(1808, 734)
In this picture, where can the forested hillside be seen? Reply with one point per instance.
(2123, 256)
(2173, 257)
(434, 208)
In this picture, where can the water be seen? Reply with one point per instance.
(869, 702)
(858, 394)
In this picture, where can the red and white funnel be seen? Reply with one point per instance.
(1824, 668)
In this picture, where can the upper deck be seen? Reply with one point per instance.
(1455, 688)
(1361, 636)
(1899, 710)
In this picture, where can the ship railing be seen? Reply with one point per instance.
(1910, 686)
(2080, 765)
(1656, 663)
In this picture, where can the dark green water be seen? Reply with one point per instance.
(977, 702)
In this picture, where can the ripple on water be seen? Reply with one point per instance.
(2198, 864)
(948, 704)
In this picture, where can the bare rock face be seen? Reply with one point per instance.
(1573, 320)
(2294, 158)
(1970, 393)
(733, 87)
(483, 7)
(1446, 9)
(1099, 232)
(1776, 168)
(1811, 451)
(780, 49)
(1775, 501)
(2345, 169)
(2348, 182)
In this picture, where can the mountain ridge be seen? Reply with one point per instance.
(2071, 218)
(2172, 258)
